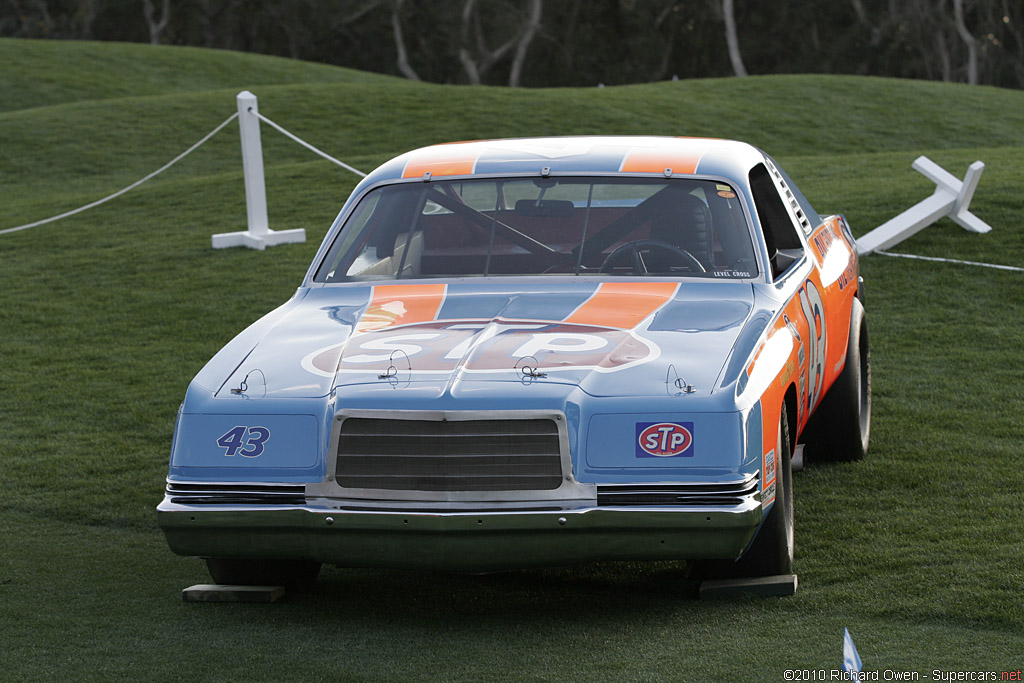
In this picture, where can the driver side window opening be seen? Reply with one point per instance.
(633, 227)
(780, 234)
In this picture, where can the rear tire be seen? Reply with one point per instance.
(841, 426)
(296, 574)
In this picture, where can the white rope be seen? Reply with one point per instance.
(950, 260)
(130, 187)
(308, 146)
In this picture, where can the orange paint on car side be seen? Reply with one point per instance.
(772, 400)
(837, 295)
(807, 324)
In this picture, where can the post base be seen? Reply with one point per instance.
(258, 240)
(204, 592)
(784, 584)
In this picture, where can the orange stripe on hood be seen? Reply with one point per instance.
(623, 304)
(400, 305)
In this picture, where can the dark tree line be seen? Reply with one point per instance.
(541, 43)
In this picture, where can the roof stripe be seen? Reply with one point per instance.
(657, 160)
(443, 160)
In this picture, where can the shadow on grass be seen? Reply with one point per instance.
(604, 590)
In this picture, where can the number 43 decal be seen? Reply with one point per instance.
(252, 438)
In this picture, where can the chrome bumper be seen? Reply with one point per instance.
(462, 540)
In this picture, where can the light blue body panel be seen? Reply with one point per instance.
(697, 334)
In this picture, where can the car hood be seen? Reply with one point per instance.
(608, 339)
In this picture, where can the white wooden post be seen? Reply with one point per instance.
(259, 235)
(951, 198)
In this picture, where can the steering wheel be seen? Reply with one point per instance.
(635, 249)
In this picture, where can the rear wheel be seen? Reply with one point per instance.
(841, 426)
(290, 573)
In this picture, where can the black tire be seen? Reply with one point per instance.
(841, 426)
(771, 553)
(295, 574)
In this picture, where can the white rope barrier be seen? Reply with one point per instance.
(130, 187)
(308, 146)
(949, 260)
(361, 174)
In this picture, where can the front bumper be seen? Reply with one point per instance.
(461, 540)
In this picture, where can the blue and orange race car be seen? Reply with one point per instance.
(535, 352)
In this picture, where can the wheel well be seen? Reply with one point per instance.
(792, 419)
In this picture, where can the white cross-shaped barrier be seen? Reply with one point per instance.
(951, 198)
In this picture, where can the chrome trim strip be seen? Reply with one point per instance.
(688, 493)
(235, 493)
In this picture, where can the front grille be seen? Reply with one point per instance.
(463, 455)
(729, 493)
(236, 494)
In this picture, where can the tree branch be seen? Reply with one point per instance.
(533, 25)
(731, 39)
(969, 40)
(156, 28)
(403, 57)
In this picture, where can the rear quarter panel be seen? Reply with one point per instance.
(804, 349)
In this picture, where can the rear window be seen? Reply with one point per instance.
(544, 226)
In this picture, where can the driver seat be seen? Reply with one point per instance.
(685, 221)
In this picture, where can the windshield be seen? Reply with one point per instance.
(654, 227)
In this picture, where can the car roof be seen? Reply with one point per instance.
(584, 155)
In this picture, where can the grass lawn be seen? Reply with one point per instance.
(107, 315)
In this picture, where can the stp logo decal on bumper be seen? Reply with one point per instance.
(664, 439)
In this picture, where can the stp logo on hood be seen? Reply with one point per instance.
(664, 439)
